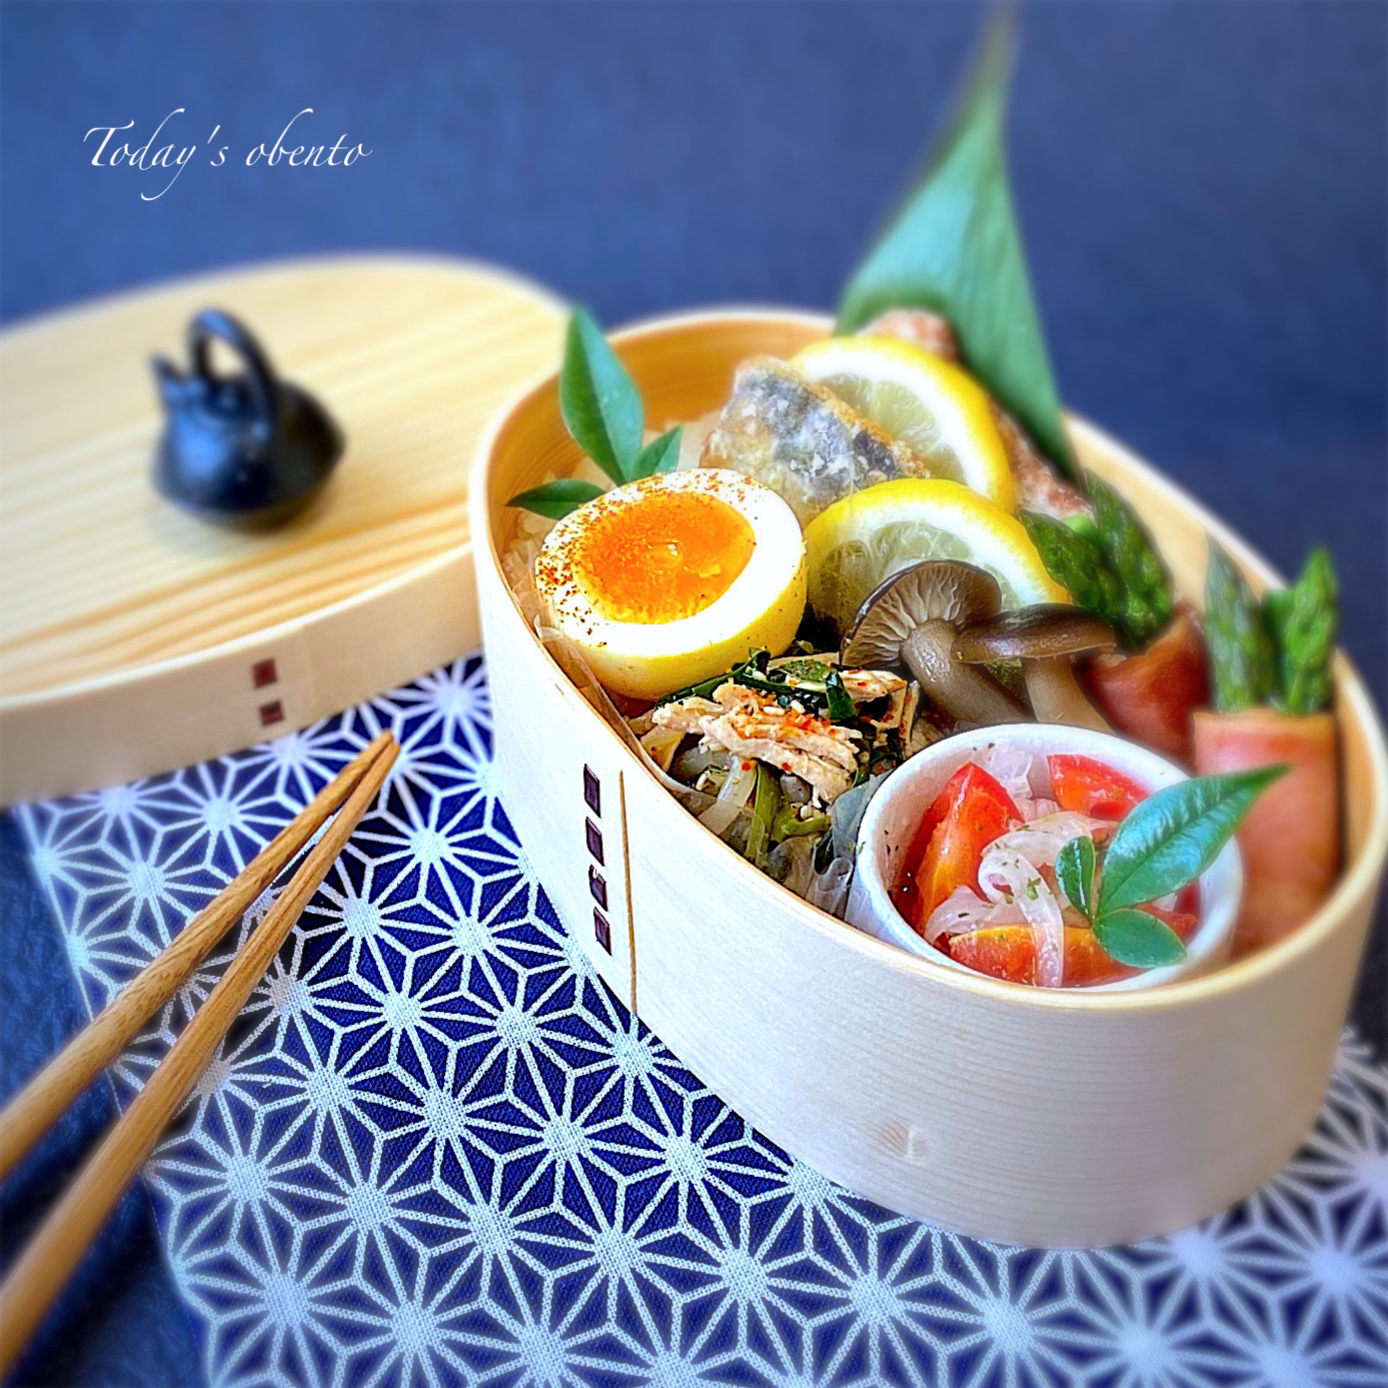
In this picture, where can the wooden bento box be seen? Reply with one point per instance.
(1025, 1116)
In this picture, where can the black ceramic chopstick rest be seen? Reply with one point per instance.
(248, 449)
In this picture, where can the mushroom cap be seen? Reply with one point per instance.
(1039, 632)
(933, 590)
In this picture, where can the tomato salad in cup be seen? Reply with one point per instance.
(980, 880)
(1030, 857)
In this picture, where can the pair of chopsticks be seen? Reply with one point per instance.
(45, 1265)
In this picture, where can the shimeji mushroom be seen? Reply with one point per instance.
(941, 619)
(914, 618)
(1044, 637)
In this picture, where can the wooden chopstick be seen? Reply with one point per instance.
(49, 1094)
(45, 1265)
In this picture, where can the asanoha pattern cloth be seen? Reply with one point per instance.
(437, 1151)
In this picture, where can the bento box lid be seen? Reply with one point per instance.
(135, 638)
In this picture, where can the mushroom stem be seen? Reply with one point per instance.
(1056, 696)
(965, 692)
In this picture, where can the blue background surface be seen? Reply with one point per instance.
(1202, 192)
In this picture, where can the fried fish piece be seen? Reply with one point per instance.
(916, 325)
(1039, 486)
(801, 440)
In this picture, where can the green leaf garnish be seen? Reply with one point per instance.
(954, 248)
(1243, 664)
(1138, 939)
(1301, 621)
(1074, 871)
(599, 400)
(556, 499)
(660, 455)
(1175, 834)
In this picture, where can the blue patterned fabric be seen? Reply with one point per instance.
(435, 1150)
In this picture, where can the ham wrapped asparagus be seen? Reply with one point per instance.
(1271, 682)
(1291, 838)
(1150, 695)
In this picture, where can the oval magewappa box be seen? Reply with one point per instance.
(1020, 1115)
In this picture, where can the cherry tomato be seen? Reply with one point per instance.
(1089, 787)
(967, 815)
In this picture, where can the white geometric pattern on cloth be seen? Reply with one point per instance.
(435, 1150)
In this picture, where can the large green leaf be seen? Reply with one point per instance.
(1175, 834)
(599, 400)
(954, 248)
(556, 499)
(660, 455)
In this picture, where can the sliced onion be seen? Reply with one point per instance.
(1010, 766)
(792, 864)
(661, 744)
(735, 793)
(829, 889)
(1042, 839)
(1009, 877)
(1069, 822)
(964, 910)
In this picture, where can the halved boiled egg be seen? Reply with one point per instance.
(674, 578)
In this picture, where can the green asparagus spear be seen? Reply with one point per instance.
(1076, 561)
(1142, 576)
(1243, 664)
(1302, 621)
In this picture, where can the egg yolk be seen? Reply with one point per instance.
(663, 557)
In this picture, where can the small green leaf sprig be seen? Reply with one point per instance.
(1166, 842)
(1278, 652)
(604, 415)
(1110, 567)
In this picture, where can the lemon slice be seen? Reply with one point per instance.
(930, 405)
(859, 541)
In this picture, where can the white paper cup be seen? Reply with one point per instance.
(890, 824)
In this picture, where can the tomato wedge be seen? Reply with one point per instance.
(1008, 952)
(1089, 787)
(1182, 922)
(1000, 951)
(967, 815)
(1087, 963)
